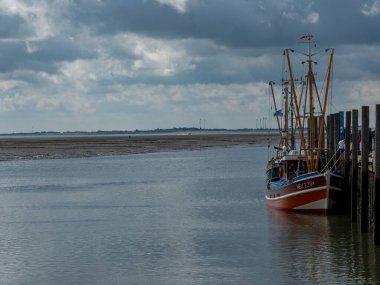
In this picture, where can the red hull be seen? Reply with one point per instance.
(317, 194)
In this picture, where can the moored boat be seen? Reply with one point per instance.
(299, 176)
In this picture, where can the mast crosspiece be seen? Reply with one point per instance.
(312, 148)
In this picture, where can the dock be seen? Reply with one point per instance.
(361, 199)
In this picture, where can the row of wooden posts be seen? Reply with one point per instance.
(362, 184)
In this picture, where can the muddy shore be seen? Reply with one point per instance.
(71, 147)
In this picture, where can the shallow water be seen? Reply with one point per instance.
(193, 217)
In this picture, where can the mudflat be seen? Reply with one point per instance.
(87, 146)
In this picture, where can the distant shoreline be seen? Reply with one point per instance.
(174, 131)
(58, 147)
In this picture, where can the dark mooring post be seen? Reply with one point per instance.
(316, 130)
(377, 176)
(336, 135)
(328, 128)
(331, 140)
(323, 134)
(347, 140)
(308, 130)
(336, 129)
(354, 167)
(364, 170)
(323, 157)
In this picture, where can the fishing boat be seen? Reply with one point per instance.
(301, 176)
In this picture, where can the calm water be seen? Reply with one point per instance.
(195, 217)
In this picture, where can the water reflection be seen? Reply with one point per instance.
(320, 249)
(166, 218)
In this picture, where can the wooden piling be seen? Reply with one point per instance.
(336, 129)
(377, 176)
(308, 129)
(328, 138)
(347, 141)
(323, 152)
(364, 170)
(316, 132)
(354, 167)
(336, 136)
(324, 132)
(331, 141)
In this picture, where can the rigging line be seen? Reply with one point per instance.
(282, 89)
(297, 56)
(300, 60)
(323, 84)
(323, 54)
(270, 113)
(331, 105)
(304, 106)
(331, 89)
(303, 71)
(283, 93)
(269, 110)
(296, 51)
(316, 91)
(295, 123)
(267, 129)
(283, 67)
(324, 94)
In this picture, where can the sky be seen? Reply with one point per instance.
(72, 65)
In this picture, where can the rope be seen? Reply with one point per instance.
(331, 159)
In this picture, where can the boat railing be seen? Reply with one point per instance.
(332, 159)
(306, 175)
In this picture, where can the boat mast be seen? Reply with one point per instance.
(286, 129)
(302, 90)
(311, 104)
(298, 115)
(275, 109)
(291, 121)
(321, 128)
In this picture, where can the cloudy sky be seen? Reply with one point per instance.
(145, 64)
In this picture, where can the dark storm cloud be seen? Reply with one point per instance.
(40, 55)
(190, 57)
(358, 63)
(62, 49)
(245, 27)
(235, 23)
(13, 27)
(215, 20)
(343, 22)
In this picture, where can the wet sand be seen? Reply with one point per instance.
(72, 147)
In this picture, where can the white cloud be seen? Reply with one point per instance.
(360, 93)
(42, 17)
(211, 98)
(312, 18)
(157, 57)
(290, 15)
(46, 102)
(141, 57)
(5, 85)
(295, 11)
(222, 105)
(371, 10)
(48, 93)
(179, 5)
(102, 65)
